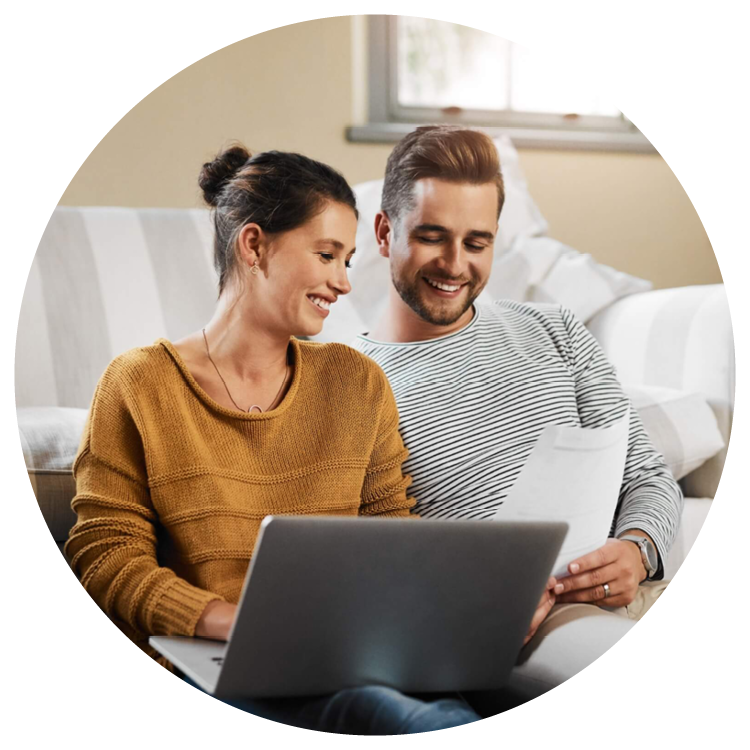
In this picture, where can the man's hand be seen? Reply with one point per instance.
(542, 610)
(617, 563)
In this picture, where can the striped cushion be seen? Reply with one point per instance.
(681, 339)
(103, 281)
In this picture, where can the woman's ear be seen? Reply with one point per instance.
(249, 245)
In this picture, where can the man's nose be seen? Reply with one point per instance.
(452, 260)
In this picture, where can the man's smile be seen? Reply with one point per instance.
(444, 289)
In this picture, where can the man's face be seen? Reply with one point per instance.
(441, 250)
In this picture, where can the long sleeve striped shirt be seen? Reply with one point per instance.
(473, 403)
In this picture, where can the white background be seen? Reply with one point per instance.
(71, 71)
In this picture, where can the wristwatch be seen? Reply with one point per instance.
(649, 555)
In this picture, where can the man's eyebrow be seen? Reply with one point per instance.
(482, 235)
(439, 228)
(429, 228)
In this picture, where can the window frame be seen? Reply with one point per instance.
(388, 120)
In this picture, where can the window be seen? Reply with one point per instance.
(426, 71)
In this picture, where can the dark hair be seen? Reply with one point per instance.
(447, 152)
(279, 191)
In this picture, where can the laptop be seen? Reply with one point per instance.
(418, 605)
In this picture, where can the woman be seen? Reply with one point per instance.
(189, 445)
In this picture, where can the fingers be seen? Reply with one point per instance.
(596, 559)
(542, 610)
(614, 564)
(594, 595)
(621, 593)
(590, 579)
(545, 605)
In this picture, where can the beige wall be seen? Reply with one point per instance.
(293, 89)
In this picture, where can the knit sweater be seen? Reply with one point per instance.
(171, 487)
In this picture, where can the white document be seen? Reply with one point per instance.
(574, 475)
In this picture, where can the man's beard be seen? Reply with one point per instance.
(410, 294)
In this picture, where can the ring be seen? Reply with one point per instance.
(606, 590)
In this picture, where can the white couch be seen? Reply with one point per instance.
(108, 279)
(681, 339)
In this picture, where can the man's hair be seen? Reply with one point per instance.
(445, 152)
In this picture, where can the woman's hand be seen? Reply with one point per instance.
(216, 620)
(617, 563)
(542, 610)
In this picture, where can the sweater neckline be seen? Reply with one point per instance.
(437, 341)
(286, 402)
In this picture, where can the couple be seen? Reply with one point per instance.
(190, 444)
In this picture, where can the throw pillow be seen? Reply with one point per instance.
(540, 269)
(50, 437)
(681, 425)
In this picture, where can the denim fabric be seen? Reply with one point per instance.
(367, 710)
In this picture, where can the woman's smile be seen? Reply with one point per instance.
(321, 304)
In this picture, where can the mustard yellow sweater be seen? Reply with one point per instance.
(171, 487)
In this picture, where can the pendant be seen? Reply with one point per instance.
(255, 406)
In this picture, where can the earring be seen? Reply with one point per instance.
(254, 268)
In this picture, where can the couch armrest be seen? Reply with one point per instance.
(676, 338)
(694, 515)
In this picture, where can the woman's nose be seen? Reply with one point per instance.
(340, 281)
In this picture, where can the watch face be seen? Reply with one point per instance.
(653, 558)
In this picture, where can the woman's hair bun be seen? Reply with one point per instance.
(215, 174)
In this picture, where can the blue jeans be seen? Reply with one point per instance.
(365, 710)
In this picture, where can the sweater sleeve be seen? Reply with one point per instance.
(650, 498)
(113, 547)
(384, 488)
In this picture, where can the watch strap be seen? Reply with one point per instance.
(642, 541)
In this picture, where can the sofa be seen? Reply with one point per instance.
(105, 280)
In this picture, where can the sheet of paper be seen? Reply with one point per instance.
(574, 475)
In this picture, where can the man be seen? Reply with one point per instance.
(476, 385)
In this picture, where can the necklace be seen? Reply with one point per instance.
(254, 406)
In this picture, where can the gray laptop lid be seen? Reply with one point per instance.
(417, 605)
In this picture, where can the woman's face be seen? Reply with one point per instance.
(304, 272)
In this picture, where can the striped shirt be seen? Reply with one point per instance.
(473, 404)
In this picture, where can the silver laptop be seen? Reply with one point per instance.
(417, 605)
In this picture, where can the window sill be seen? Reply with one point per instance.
(569, 140)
